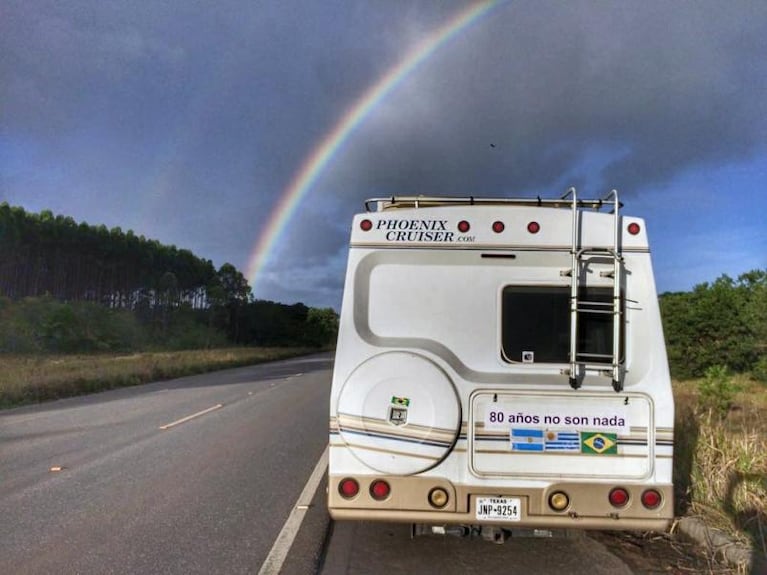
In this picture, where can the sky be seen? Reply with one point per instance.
(193, 122)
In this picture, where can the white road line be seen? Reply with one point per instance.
(282, 544)
(188, 417)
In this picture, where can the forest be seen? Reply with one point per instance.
(723, 323)
(69, 287)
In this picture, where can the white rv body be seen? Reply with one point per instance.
(501, 362)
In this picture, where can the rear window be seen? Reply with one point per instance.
(536, 325)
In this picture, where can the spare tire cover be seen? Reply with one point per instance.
(399, 413)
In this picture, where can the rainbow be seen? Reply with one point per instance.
(330, 144)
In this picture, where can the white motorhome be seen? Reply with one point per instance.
(501, 362)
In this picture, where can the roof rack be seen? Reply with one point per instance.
(396, 202)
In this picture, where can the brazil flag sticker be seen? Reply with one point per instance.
(599, 443)
(401, 401)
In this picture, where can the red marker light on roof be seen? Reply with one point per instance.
(463, 226)
(366, 225)
(634, 228)
(498, 227)
(533, 227)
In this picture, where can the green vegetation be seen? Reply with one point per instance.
(717, 391)
(723, 323)
(46, 254)
(134, 305)
(74, 288)
(45, 325)
(716, 336)
(720, 457)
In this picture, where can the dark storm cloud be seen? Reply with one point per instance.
(586, 94)
(318, 282)
(662, 87)
(186, 121)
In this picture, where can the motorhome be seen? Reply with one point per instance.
(501, 364)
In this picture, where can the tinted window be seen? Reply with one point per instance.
(536, 325)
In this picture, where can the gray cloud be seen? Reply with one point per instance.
(186, 121)
(612, 95)
(670, 85)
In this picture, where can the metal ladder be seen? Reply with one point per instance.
(578, 306)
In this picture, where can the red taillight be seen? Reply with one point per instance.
(379, 489)
(651, 499)
(366, 225)
(533, 227)
(498, 227)
(634, 228)
(348, 488)
(619, 497)
(463, 226)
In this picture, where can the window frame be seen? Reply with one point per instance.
(604, 291)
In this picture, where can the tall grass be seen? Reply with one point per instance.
(721, 456)
(34, 378)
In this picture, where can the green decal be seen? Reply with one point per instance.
(599, 443)
(400, 401)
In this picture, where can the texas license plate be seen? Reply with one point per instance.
(499, 508)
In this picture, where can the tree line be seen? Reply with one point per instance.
(46, 254)
(723, 323)
(71, 287)
(67, 286)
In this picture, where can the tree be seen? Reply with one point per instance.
(56, 262)
(722, 323)
(321, 327)
(235, 293)
(167, 288)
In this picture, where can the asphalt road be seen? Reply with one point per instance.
(371, 548)
(122, 482)
(205, 496)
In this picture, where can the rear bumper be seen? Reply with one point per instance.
(566, 522)
(589, 507)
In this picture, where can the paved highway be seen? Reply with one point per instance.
(201, 474)
(208, 495)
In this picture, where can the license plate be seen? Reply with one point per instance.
(499, 508)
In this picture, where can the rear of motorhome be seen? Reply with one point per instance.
(501, 362)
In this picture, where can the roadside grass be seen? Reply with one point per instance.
(34, 378)
(720, 460)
